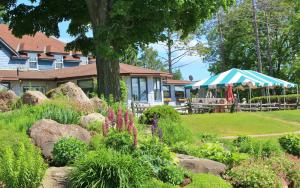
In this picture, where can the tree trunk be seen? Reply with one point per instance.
(269, 47)
(255, 26)
(221, 45)
(169, 45)
(108, 69)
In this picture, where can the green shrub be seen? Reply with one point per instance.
(95, 126)
(207, 137)
(67, 150)
(107, 168)
(119, 141)
(155, 183)
(12, 139)
(291, 143)
(174, 132)
(260, 148)
(277, 98)
(155, 154)
(253, 175)
(171, 174)
(207, 181)
(21, 167)
(162, 112)
(241, 140)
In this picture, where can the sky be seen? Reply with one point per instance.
(195, 68)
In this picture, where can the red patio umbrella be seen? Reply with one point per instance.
(229, 94)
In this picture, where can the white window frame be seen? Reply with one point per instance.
(59, 60)
(84, 60)
(33, 59)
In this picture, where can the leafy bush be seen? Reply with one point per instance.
(253, 175)
(12, 139)
(260, 148)
(21, 167)
(119, 141)
(291, 143)
(67, 150)
(173, 132)
(207, 137)
(155, 154)
(153, 183)
(95, 126)
(207, 181)
(277, 98)
(171, 174)
(241, 140)
(162, 112)
(107, 168)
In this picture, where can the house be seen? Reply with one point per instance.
(174, 91)
(41, 63)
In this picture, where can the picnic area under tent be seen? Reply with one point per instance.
(240, 80)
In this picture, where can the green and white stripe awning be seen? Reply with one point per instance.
(237, 77)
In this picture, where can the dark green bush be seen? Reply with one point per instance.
(253, 175)
(260, 148)
(241, 140)
(67, 150)
(171, 174)
(109, 169)
(291, 143)
(119, 141)
(277, 98)
(21, 166)
(162, 112)
(174, 132)
(207, 181)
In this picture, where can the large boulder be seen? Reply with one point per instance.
(56, 177)
(198, 165)
(74, 93)
(45, 133)
(7, 100)
(90, 118)
(98, 104)
(33, 98)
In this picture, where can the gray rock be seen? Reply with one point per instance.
(34, 98)
(56, 177)
(93, 117)
(198, 165)
(7, 100)
(45, 133)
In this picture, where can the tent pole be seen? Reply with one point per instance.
(284, 97)
(250, 99)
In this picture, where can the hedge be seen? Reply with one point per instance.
(277, 98)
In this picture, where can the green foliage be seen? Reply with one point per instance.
(95, 126)
(291, 143)
(67, 150)
(22, 166)
(162, 112)
(207, 181)
(253, 175)
(171, 174)
(241, 140)
(11, 139)
(150, 59)
(277, 99)
(174, 132)
(207, 137)
(108, 169)
(155, 154)
(124, 91)
(259, 148)
(157, 183)
(119, 141)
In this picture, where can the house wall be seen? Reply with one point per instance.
(45, 64)
(17, 86)
(71, 64)
(6, 62)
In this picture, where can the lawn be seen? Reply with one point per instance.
(226, 124)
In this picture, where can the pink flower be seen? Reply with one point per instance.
(120, 119)
(105, 127)
(126, 119)
(131, 123)
(111, 116)
(135, 139)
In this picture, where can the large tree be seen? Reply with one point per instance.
(116, 26)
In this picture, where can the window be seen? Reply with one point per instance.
(34, 88)
(179, 92)
(139, 90)
(167, 93)
(84, 61)
(4, 86)
(157, 89)
(33, 61)
(59, 62)
(87, 86)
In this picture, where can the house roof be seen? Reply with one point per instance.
(75, 72)
(177, 82)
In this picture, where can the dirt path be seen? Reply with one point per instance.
(263, 135)
(278, 119)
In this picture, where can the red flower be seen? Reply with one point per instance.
(120, 119)
(111, 116)
(135, 139)
(105, 127)
(126, 119)
(131, 123)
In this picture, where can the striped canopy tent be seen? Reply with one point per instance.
(237, 77)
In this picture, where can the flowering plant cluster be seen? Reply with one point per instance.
(155, 130)
(120, 123)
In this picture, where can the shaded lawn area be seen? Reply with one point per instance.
(226, 124)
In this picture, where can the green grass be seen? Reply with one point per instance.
(226, 124)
